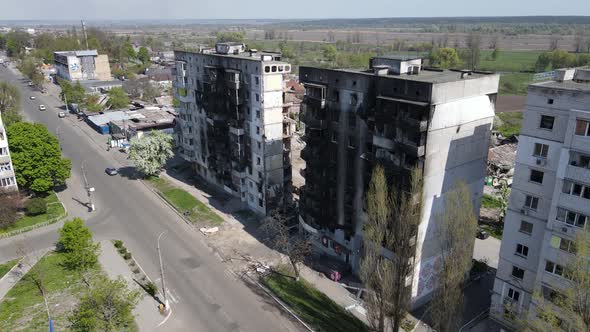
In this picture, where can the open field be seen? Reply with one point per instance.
(511, 61)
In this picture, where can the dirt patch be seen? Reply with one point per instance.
(510, 103)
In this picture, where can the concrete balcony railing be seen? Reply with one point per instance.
(577, 173)
(383, 142)
(236, 131)
(4, 159)
(183, 95)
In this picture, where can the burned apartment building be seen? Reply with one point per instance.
(400, 115)
(231, 125)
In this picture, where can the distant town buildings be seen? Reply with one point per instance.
(550, 195)
(7, 176)
(231, 125)
(399, 115)
(82, 65)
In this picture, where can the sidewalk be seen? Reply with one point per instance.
(19, 270)
(146, 311)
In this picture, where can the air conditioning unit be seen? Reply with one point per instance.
(541, 162)
(564, 229)
(524, 211)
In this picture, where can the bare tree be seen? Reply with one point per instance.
(570, 306)
(579, 42)
(554, 42)
(9, 206)
(295, 247)
(456, 227)
(473, 42)
(393, 218)
(494, 42)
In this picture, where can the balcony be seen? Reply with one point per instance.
(412, 148)
(316, 124)
(383, 142)
(183, 95)
(5, 159)
(319, 103)
(232, 79)
(419, 125)
(578, 173)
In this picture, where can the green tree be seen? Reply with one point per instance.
(128, 51)
(445, 57)
(456, 227)
(91, 104)
(495, 53)
(107, 306)
(75, 240)
(150, 152)
(143, 55)
(117, 98)
(36, 157)
(330, 53)
(72, 93)
(230, 36)
(9, 104)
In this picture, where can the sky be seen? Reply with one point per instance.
(280, 9)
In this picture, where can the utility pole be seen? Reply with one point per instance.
(88, 188)
(85, 35)
(58, 134)
(166, 307)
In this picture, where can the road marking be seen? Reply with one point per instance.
(165, 319)
(171, 294)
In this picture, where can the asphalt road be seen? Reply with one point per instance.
(205, 295)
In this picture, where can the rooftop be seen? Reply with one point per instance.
(400, 57)
(78, 53)
(565, 85)
(429, 75)
(502, 156)
(247, 55)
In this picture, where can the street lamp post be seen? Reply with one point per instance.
(166, 307)
(89, 189)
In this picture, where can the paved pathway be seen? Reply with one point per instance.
(146, 312)
(19, 270)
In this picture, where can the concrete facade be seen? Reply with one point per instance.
(231, 125)
(82, 65)
(549, 200)
(7, 176)
(401, 116)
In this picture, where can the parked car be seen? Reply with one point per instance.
(61, 114)
(33, 97)
(482, 234)
(42, 107)
(30, 84)
(111, 171)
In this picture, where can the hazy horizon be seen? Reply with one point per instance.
(122, 10)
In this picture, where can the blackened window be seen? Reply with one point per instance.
(536, 176)
(547, 122)
(517, 272)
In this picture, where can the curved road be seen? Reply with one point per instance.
(205, 295)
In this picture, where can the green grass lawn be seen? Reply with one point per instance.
(313, 306)
(54, 210)
(490, 201)
(511, 123)
(5, 267)
(515, 83)
(185, 202)
(513, 61)
(23, 308)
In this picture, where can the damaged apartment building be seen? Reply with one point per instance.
(400, 115)
(231, 126)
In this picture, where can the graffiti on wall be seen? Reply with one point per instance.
(428, 275)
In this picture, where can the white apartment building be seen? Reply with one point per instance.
(550, 194)
(7, 179)
(82, 65)
(231, 125)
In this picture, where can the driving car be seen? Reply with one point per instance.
(30, 84)
(42, 107)
(111, 171)
(33, 97)
(61, 114)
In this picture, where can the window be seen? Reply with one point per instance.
(258, 114)
(536, 176)
(522, 250)
(336, 95)
(550, 101)
(334, 136)
(351, 142)
(267, 69)
(5, 182)
(582, 127)
(257, 130)
(541, 150)
(353, 99)
(259, 145)
(571, 218)
(525, 227)
(513, 294)
(550, 294)
(517, 272)
(576, 189)
(274, 70)
(257, 160)
(563, 244)
(257, 80)
(3, 151)
(554, 268)
(531, 202)
(260, 175)
(260, 202)
(257, 97)
(547, 122)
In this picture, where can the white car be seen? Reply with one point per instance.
(30, 84)
(61, 114)
(42, 107)
(33, 97)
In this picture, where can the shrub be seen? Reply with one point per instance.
(127, 256)
(122, 250)
(36, 206)
(151, 288)
(118, 244)
(136, 270)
